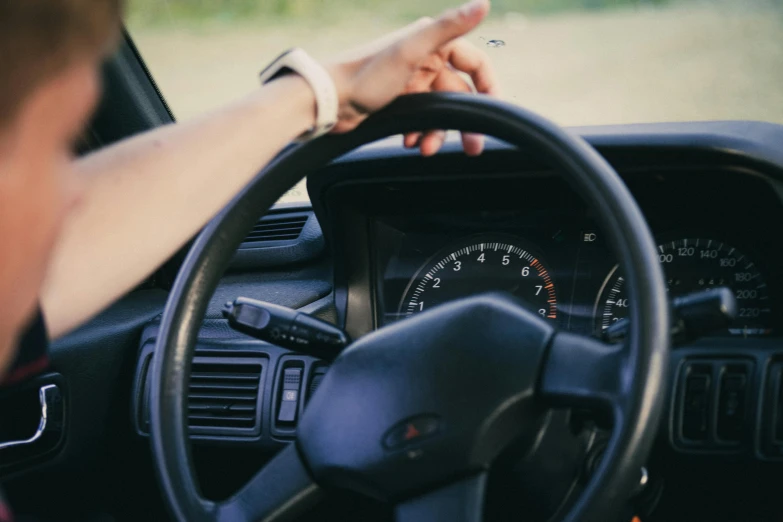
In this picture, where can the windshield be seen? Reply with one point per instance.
(577, 62)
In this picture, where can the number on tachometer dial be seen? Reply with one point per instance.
(481, 265)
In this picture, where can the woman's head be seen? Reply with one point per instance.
(50, 50)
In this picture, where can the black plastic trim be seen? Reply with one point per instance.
(131, 45)
(308, 246)
(757, 354)
(131, 103)
(716, 366)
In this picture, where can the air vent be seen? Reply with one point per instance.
(278, 227)
(224, 393)
(224, 397)
(285, 236)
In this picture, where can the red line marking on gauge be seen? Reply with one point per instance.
(534, 262)
(550, 285)
(552, 301)
(552, 316)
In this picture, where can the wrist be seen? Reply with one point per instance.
(341, 78)
(350, 110)
(320, 82)
(303, 107)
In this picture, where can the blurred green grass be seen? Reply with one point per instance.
(177, 12)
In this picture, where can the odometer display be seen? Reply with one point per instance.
(691, 265)
(481, 265)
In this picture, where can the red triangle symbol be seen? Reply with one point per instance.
(411, 432)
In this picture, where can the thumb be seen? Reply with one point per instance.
(450, 25)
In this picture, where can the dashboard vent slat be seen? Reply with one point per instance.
(224, 393)
(277, 228)
(201, 376)
(213, 406)
(280, 226)
(236, 421)
(223, 386)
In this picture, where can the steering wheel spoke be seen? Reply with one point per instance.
(282, 490)
(461, 501)
(581, 371)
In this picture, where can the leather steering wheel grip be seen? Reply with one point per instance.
(590, 175)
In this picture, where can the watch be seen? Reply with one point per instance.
(299, 62)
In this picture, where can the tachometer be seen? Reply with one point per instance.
(691, 265)
(477, 265)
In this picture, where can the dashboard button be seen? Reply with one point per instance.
(695, 415)
(289, 398)
(731, 403)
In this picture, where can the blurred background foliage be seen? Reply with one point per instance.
(154, 12)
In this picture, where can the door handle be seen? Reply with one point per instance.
(50, 399)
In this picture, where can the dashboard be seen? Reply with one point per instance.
(404, 234)
(533, 237)
(407, 234)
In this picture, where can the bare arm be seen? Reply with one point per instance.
(148, 195)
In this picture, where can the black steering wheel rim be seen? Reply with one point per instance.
(618, 215)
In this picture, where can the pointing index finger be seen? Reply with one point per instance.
(450, 25)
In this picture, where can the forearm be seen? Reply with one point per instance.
(148, 195)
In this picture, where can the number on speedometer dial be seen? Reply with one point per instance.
(481, 265)
(690, 265)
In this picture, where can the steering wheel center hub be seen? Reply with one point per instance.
(438, 395)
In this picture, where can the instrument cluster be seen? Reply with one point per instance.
(554, 259)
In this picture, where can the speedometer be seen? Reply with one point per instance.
(482, 264)
(691, 265)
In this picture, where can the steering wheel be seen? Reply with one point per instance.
(416, 412)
